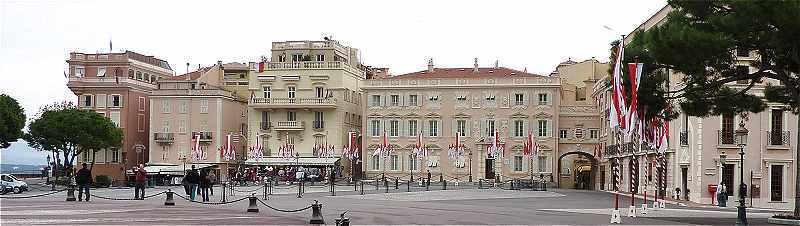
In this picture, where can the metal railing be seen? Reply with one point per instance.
(289, 125)
(684, 138)
(298, 101)
(164, 137)
(319, 124)
(204, 136)
(725, 137)
(778, 138)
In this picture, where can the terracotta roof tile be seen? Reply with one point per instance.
(464, 73)
(192, 75)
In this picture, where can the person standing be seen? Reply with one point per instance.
(212, 178)
(429, 178)
(194, 179)
(141, 179)
(84, 179)
(204, 184)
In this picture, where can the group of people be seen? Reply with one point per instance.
(84, 180)
(201, 182)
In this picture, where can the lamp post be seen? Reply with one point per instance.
(470, 165)
(741, 138)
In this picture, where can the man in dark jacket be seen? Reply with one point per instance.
(204, 185)
(141, 178)
(193, 178)
(84, 179)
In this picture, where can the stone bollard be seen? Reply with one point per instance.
(396, 183)
(408, 186)
(444, 185)
(512, 184)
(480, 184)
(316, 214)
(342, 221)
(71, 194)
(362, 187)
(170, 201)
(253, 207)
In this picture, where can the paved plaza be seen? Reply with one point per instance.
(458, 206)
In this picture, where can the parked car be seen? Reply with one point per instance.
(16, 185)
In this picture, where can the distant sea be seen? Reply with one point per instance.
(17, 168)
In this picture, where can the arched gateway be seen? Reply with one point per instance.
(585, 178)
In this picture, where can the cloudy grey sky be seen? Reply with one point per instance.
(37, 36)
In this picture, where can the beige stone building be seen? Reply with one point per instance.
(438, 102)
(117, 85)
(205, 103)
(309, 93)
(696, 145)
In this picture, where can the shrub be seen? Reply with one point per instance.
(102, 181)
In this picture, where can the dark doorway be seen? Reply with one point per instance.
(602, 177)
(684, 178)
(489, 169)
(727, 178)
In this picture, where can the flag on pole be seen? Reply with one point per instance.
(495, 149)
(617, 113)
(635, 74)
(196, 148)
(351, 149)
(383, 149)
(419, 148)
(457, 148)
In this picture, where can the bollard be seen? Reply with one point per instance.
(377, 187)
(265, 192)
(299, 190)
(362, 187)
(224, 188)
(444, 185)
(512, 184)
(169, 201)
(316, 213)
(252, 208)
(480, 184)
(408, 186)
(386, 185)
(396, 183)
(342, 221)
(71, 194)
(428, 185)
(270, 188)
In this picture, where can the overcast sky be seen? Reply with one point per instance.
(37, 36)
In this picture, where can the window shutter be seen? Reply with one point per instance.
(526, 127)
(403, 130)
(453, 127)
(538, 129)
(468, 128)
(439, 128)
(548, 128)
(121, 101)
(421, 125)
(485, 127)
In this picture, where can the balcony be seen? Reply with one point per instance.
(725, 138)
(306, 65)
(319, 125)
(778, 138)
(293, 102)
(108, 81)
(684, 138)
(289, 125)
(265, 126)
(204, 136)
(164, 137)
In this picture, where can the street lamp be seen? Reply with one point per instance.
(741, 140)
(470, 165)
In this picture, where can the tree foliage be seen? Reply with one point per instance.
(699, 40)
(63, 128)
(12, 120)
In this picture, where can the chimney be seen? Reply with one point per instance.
(430, 65)
(496, 62)
(475, 66)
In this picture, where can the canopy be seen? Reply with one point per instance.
(310, 161)
(170, 169)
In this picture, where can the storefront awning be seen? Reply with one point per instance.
(311, 161)
(170, 169)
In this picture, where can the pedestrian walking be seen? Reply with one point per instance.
(194, 179)
(141, 179)
(84, 179)
(185, 183)
(429, 178)
(205, 183)
(212, 177)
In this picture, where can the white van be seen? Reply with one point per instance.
(16, 185)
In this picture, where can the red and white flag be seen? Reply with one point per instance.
(635, 72)
(495, 149)
(617, 113)
(457, 148)
(351, 150)
(383, 149)
(197, 150)
(419, 148)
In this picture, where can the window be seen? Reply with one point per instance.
(291, 116)
(115, 117)
(433, 128)
(412, 100)
(519, 99)
(165, 106)
(776, 183)
(267, 92)
(395, 100)
(543, 100)
(412, 162)
(776, 135)
(542, 162)
(116, 100)
(86, 100)
(412, 128)
(297, 57)
(140, 122)
(282, 58)
(265, 120)
(292, 91)
(742, 70)
(141, 103)
(742, 52)
(518, 163)
(182, 126)
(320, 91)
(490, 128)
(395, 162)
(461, 126)
(375, 101)
(543, 128)
(138, 75)
(79, 71)
(203, 106)
(519, 128)
(147, 77)
(130, 73)
(101, 72)
(376, 160)
(594, 133)
(320, 57)
(183, 107)
(165, 127)
(375, 126)
(563, 134)
(114, 154)
(319, 120)
(727, 129)
(394, 127)
(101, 100)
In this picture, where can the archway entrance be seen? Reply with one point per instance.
(582, 171)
